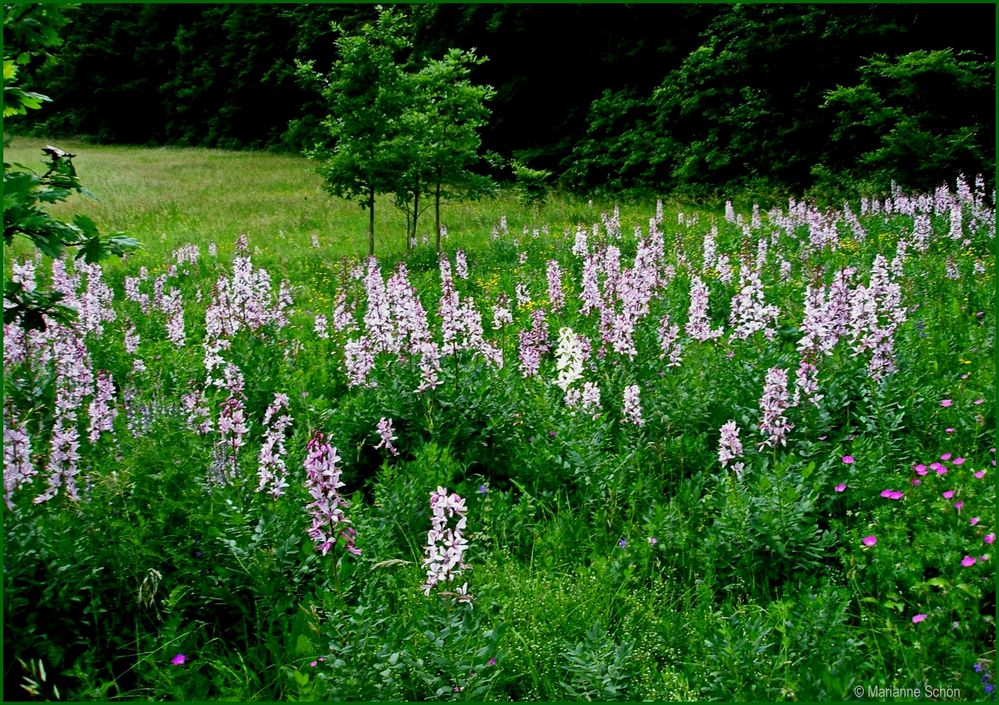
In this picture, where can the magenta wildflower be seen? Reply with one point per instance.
(179, 660)
(945, 456)
(840, 487)
(847, 459)
(869, 540)
(948, 494)
(916, 619)
(945, 402)
(948, 430)
(979, 475)
(920, 469)
(968, 561)
(978, 402)
(491, 662)
(974, 520)
(730, 447)
(958, 505)
(892, 494)
(916, 482)
(989, 538)
(958, 461)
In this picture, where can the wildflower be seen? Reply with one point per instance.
(979, 475)
(916, 482)
(989, 538)
(774, 402)
(958, 506)
(555, 295)
(945, 402)
(920, 469)
(323, 482)
(483, 489)
(698, 325)
(622, 543)
(892, 494)
(653, 540)
(632, 405)
(840, 487)
(948, 494)
(568, 358)
(271, 469)
(958, 461)
(491, 662)
(916, 619)
(949, 430)
(847, 459)
(945, 456)
(978, 402)
(974, 520)
(968, 561)
(387, 434)
(17, 466)
(730, 447)
(445, 544)
(179, 660)
(869, 540)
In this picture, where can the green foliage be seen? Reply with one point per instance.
(915, 119)
(26, 195)
(531, 184)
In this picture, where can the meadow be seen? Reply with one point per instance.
(592, 451)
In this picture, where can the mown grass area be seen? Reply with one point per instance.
(614, 553)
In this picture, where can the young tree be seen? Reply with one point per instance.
(397, 125)
(367, 92)
(456, 110)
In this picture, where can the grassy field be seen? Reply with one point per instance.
(565, 378)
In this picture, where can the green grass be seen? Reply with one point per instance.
(169, 196)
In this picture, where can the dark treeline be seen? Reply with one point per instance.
(667, 97)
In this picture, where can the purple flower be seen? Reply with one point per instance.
(989, 538)
(653, 540)
(945, 456)
(968, 561)
(491, 662)
(840, 487)
(483, 489)
(623, 543)
(869, 540)
(179, 660)
(945, 402)
(920, 469)
(848, 460)
(917, 618)
(948, 494)
(958, 461)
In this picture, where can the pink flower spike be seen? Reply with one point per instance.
(974, 520)
(179, 660)
(989, 538)
(840, 487)
(948, 494)
(968, 561)
(870, 540)
(958, 461)
(945, 456)
(917, 618)
(848, 460)
(920, 469)
(945, 403)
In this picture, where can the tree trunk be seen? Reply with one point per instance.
(437, 209)
(371, 221)
(411, 237)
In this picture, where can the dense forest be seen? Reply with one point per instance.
(688, 98)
